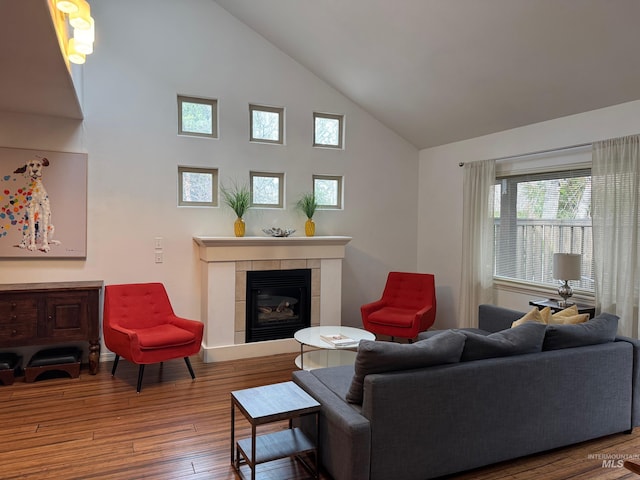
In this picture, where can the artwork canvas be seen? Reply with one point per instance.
(43, 204)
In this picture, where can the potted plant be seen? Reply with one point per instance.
(308, 205)
(239, 199)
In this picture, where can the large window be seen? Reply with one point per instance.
(537, 215)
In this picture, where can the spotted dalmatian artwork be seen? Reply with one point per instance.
(42, 203)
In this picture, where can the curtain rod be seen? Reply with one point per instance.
(539, 152)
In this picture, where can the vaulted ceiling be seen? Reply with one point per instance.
(434, 71)
(439, 71)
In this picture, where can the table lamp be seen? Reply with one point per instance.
(566, 266)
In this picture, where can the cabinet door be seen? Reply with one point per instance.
(67, 316)
(18, 319)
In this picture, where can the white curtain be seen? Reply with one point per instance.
(476, 286)
(615, 175)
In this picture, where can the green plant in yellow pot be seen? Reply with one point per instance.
(239, 199)
(308, 205)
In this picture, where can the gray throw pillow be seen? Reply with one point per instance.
(525, 338)
(378, 357)
(601, 329)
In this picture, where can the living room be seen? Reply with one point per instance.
(148, 52)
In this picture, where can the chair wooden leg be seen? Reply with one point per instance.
(140, 374)
(632, 467)
(188, 362)
(115, 365)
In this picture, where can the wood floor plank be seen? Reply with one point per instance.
(98, 427)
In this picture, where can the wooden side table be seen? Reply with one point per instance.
(271, 403)
(552, 303)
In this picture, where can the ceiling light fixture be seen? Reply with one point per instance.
(79, 16)
(82, 16)
(68, 6)
(84, 38)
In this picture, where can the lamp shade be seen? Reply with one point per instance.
(567, 266)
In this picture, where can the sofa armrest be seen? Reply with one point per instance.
(345, 435)
(493, 319)
(635, 405)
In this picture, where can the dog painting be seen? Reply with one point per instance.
(37, 226)
(34, 185)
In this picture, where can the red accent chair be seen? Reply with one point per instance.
(407, 306)
(139, 325)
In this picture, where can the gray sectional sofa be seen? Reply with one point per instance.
(420, 422)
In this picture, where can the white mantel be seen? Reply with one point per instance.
(224, 262)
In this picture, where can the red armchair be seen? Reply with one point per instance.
(407, 306)
(139, 325)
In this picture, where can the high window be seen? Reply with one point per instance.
(537, 215)
(327, 130)
(267, 189)
(327, 190)
(197, 117)
(266, 124)
(197, 186)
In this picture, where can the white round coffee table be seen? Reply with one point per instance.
(328, 355)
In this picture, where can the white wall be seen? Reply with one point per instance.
(146, 52)
(440, 202)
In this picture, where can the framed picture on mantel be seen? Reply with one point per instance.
(43, 204)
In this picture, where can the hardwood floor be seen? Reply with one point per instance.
(97, 427)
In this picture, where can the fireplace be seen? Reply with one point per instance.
(278, 303)
(225, 263)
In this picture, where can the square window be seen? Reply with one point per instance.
(197, 117)
(267, 124)
(267, 189)
(327, 130)
(197, 186)
(328, 191)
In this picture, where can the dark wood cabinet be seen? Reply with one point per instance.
(51, 313)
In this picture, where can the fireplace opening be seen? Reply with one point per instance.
(278, 303)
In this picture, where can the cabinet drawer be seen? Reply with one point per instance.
(19, 309)
(18, 319)
(15, 335)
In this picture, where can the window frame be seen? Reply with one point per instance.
(330, 116)
(212, 102)
(264, 108)
(340, 180)
(280, 176)
(214, 186)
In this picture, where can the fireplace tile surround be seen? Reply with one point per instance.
(224, 263)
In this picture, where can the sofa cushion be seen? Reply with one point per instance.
(601, 329)
(163, 336)
(377, 357)
(525, 338)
